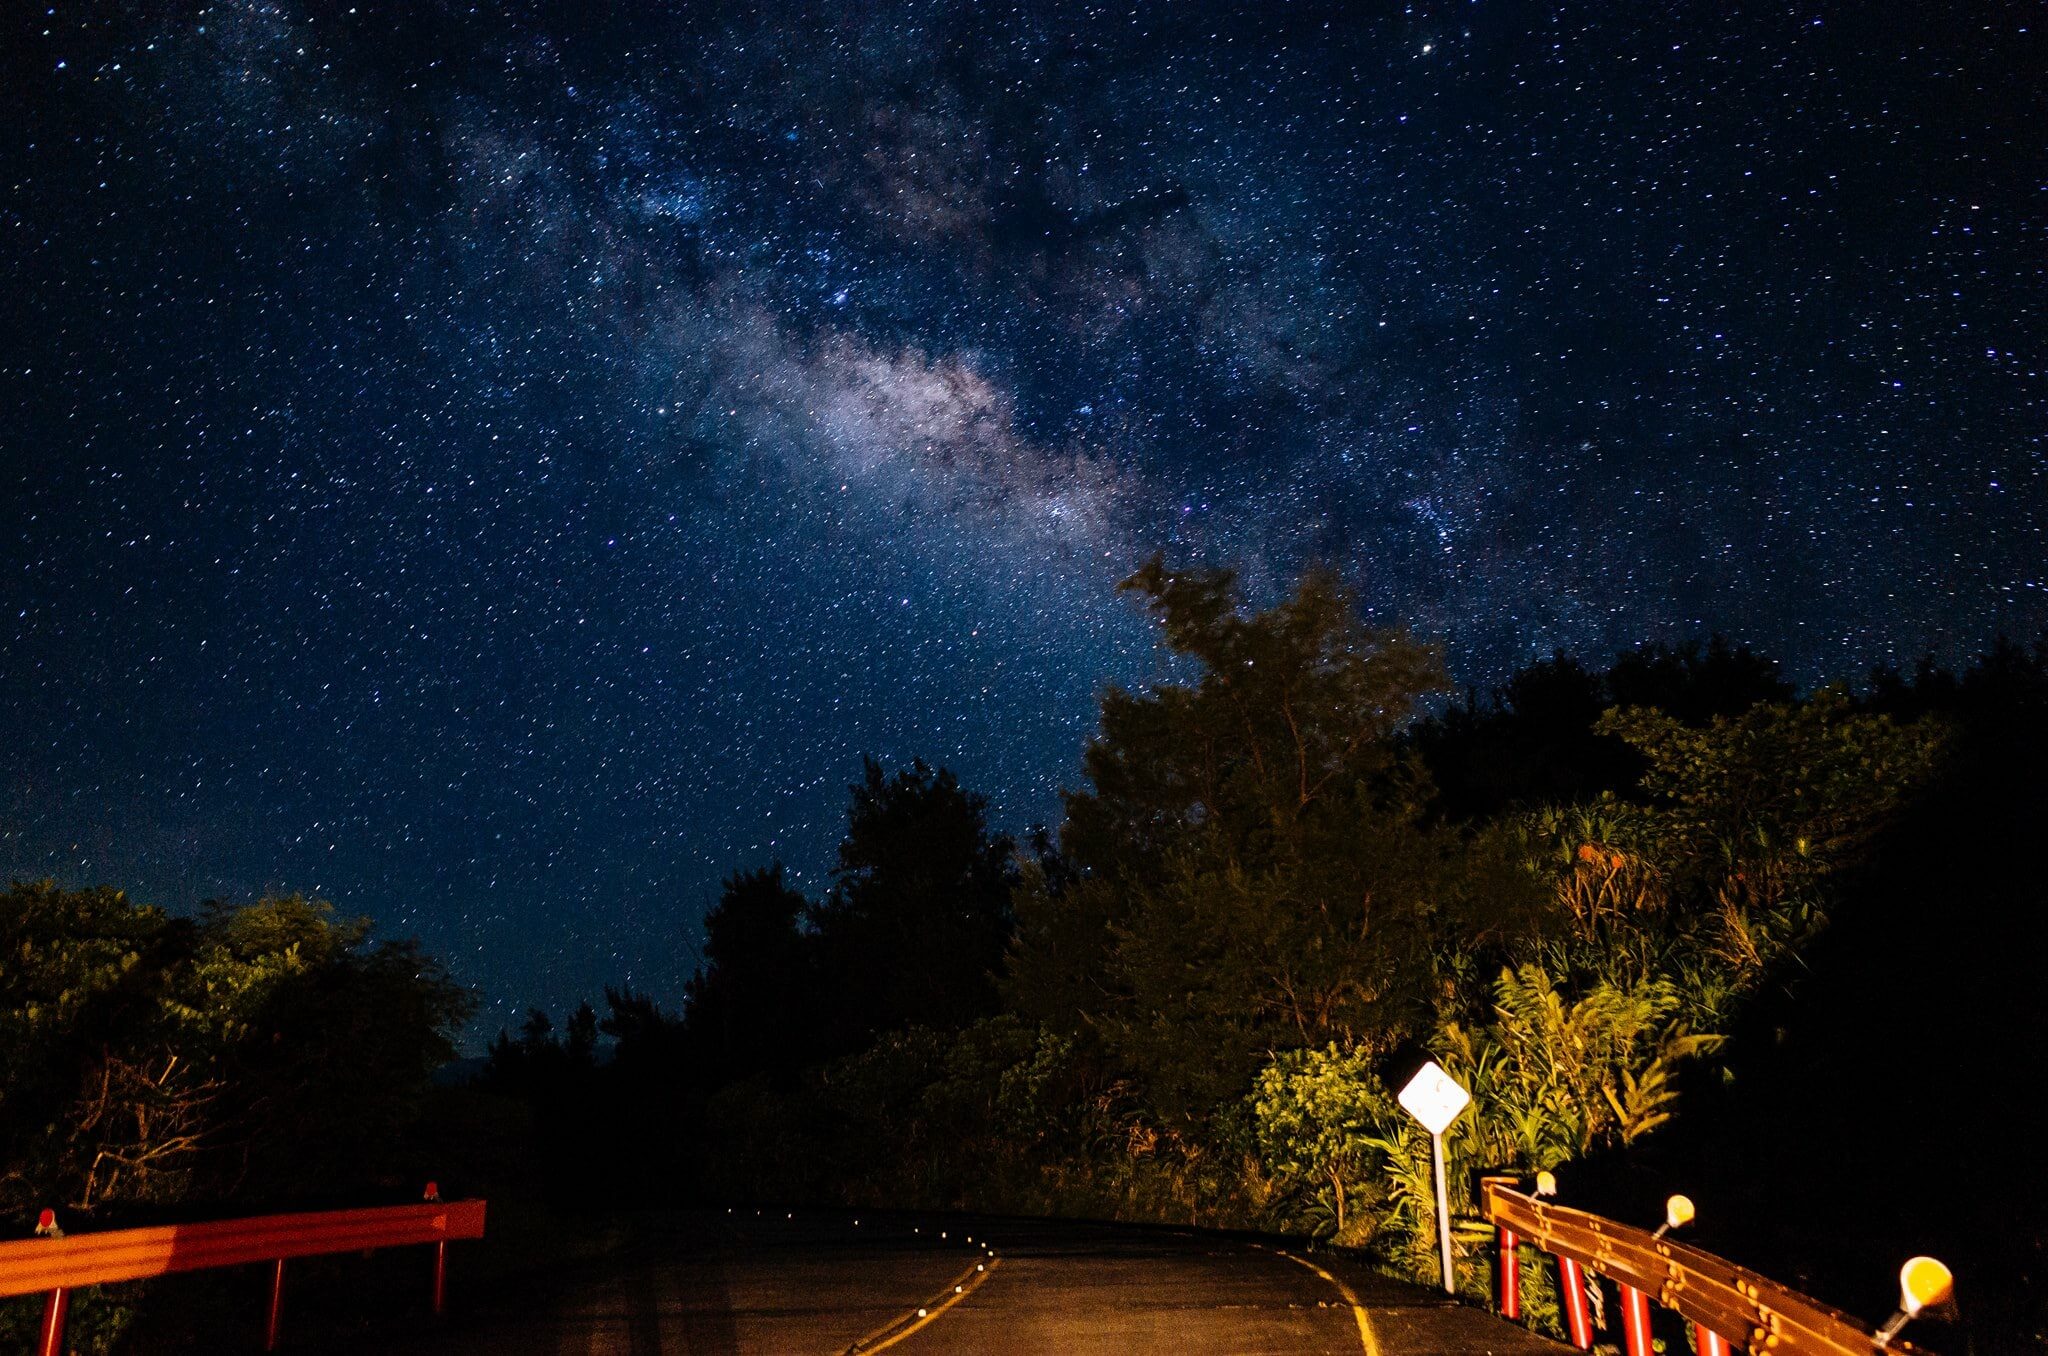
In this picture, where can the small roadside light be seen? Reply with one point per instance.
(1924, 1283)
(920, 1313)
(1678, 1213)
(46, 1224)
(1546, 1184)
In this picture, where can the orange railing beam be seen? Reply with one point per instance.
(32, 1265)
(55, 1266)
(1745, 1310)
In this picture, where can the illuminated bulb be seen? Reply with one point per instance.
(920, 1313)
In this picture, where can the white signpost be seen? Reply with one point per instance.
(1434, 1098)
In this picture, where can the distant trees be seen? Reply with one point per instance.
(909, 939)
(913, 931)
(1536, 739)
(753, 1005)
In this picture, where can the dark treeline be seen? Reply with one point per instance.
(1677, 926)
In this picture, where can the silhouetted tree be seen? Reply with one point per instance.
(914, 930)
(1254, 871)
(1533, 741)
(751, 1007)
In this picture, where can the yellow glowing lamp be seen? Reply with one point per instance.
(1923, 1284)
(1546, 1184)
(1678, 1213)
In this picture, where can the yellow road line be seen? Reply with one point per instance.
(861, 1343)
(1366, 1338)
(962, 1287)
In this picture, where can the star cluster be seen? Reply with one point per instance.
(500, 466)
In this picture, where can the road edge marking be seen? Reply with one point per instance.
(1366, 1337)
(970, 1282)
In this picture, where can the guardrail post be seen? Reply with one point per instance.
(433, 1193)
(50, 1337)
(273, 1322)
(1510, 1276)
(1508, 1291)
(1707, 1342)
(1635, 1321)
(57, 1304)
(1571, 1282)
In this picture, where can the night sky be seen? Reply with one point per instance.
(500, 467)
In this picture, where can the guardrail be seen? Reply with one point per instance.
(55, 1265)
(1729, 1306)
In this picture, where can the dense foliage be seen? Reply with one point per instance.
(260, 1052)
(252, 1056)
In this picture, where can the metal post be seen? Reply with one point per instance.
(440, 1277)
(1510, 1276)
(1571, 1281)
(1707, 1342)
(50, 1337)
(1635, 1321)
(1443, 1214)
(273, 1323)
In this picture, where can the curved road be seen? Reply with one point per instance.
(839, 1283)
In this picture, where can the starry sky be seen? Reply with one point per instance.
(500, 466)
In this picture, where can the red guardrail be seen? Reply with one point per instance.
(55, 1265)
(1730, 1307)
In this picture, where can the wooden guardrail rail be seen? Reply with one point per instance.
(1730, 1306)
(55, 1264)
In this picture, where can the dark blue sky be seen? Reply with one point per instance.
(500, 467)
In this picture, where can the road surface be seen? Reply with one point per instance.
(776, 1283)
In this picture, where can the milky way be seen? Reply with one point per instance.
(501, 468)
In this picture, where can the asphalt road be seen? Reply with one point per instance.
(832, 1283)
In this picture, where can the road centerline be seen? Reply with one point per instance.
(964, 1285)
(1366, 1338)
